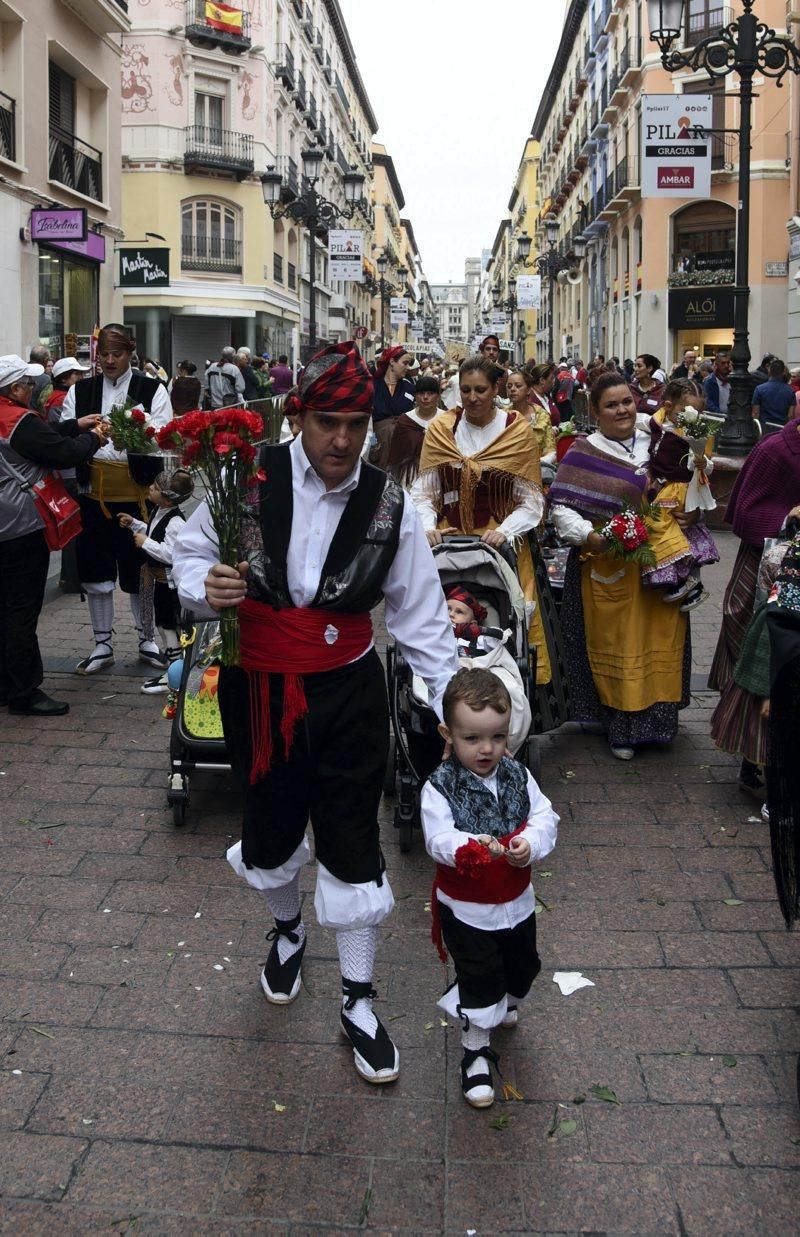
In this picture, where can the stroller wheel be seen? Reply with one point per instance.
(406, 836)
(179, 812)
(390, 776)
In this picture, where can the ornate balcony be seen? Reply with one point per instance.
(201, 31)
(283, 66)
(214, 254)
(210, 149)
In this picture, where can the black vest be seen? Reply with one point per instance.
(89, 393)
(158, 533)
(361, 552)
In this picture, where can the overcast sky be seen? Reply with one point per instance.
(455, 85)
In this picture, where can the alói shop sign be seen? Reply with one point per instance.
(700, 308)
(143, 268)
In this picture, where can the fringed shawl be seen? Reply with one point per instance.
(507, 459)
(783, 768)
(597, 485)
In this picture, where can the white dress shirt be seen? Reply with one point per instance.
(415, 608)
(426, 492)
(442, 840)
(117, 393)
(573, 528)
(161, 551)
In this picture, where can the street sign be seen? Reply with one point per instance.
(346, 254)
(498, 322)
(529, 291)
(398, 310)
(143, 268)
(360, 332)
(676, 151)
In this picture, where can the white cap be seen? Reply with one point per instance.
(12, 368)
(69, 365)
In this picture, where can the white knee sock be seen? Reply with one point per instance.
(357, 961)
(170, 643)
(284, 904)
(101, 614)
(475, 1038)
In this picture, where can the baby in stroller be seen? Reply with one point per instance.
(485, 647)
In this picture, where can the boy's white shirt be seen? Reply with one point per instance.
(442, 840)
(161, 551)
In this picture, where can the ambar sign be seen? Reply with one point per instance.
(700, 307)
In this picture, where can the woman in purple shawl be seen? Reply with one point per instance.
(766, 490)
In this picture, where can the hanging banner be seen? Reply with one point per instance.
(346, 254)
(498, 322)
(398, 310)
(529, 291)
(676, 151)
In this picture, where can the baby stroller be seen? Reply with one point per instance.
(415, 747)
(196, 740)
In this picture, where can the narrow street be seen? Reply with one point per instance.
(148, 1087)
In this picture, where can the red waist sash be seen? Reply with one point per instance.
(477, 877)
(292, 642)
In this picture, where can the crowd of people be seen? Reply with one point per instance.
(379, 468)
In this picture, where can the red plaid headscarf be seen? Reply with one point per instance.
(335, 380)
(457, 593)
(387, 356)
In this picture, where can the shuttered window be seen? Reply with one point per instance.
(62, 99)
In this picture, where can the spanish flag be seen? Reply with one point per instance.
(223, 17)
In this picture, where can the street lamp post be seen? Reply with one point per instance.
(313, 210)
(746, 47)
(384, 285)
(510, 307)
(550, 265)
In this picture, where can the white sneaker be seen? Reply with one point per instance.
(101, 659)
(622, 753)
(512, 1017)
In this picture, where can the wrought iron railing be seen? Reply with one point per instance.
(284, 64)
(76, 164)
(216, 254)
(208, 146)
(8, 127)
(198, 22)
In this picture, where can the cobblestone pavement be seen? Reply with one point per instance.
(147, 1086)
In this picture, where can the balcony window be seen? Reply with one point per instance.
(210, 237)
(277, 267)
(209, 147)
(704, 17)
(72, 161)
(291, 276)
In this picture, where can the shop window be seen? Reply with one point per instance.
(211, 237)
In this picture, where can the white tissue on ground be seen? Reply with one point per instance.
(571, 981)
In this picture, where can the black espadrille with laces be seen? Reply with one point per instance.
(281, 981)
(376, 1058)
(477, 1086)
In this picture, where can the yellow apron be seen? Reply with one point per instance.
(634, 640)
(111, 482)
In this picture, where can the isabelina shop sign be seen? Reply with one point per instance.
(65, 224)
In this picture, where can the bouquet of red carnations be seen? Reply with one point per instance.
(221, 448)
(628, 538)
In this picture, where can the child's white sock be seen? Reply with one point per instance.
(284, 904)
(357, 947)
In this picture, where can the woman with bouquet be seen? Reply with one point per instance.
(681, 445)
(629, 653)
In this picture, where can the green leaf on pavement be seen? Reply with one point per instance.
(729, 1061)
(542, 903)
(567, 1127)
(604, 1093)
(365, 1205)
(579, 1099)
(733, 901)
(500, 1123)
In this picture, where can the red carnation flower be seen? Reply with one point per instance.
(138, 416)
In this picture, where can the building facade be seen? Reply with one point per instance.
(453, 312)
(208, 106)
(658, 273)
(60, 150)
(390, 251)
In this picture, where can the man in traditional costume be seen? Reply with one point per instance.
(629, 653)
(480, 474)
(305, 716)
(106, 551)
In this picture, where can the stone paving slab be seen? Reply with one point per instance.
(144, 1090)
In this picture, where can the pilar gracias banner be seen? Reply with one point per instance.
(345, 252)
(529, 292)
(224, 17)
(398, 306)
(676, 146)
